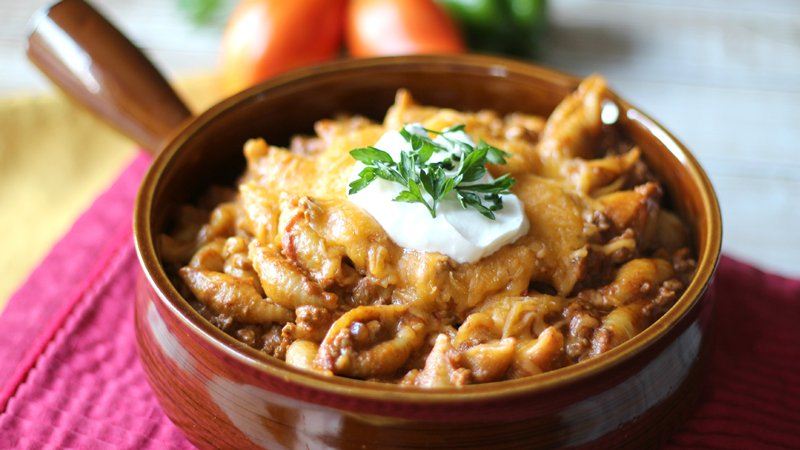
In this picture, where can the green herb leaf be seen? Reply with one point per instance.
(447, 187)
(371, 155)
(501, 185)
(428, 183)
(494, 154)
(200, 11)
(364, 178)
(454, 128)
(407, 197)
(423, 146)
(473, 168)
(407, 164)
(469, 199)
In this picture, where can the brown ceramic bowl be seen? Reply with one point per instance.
(224, 394)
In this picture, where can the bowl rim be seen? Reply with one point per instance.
(707, 260)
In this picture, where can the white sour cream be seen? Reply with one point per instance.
(462, 234)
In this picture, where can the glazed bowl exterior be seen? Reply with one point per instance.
(223, 394)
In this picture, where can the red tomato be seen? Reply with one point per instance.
(266, 37)
(398, 27)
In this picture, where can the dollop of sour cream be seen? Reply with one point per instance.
(463, 234)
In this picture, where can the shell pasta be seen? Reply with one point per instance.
(288, 265)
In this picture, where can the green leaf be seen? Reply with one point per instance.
(495, 201)
(428, 183)
(494, 154)
(414, 139)
(439, 178)
(407, 166)
(454, 128)
(486, 212)
(200, 11)
(476, 157)
(388, 172)
(422, 145)
(371, 155)
(426, 151)
(365, 177)
(501, 185)
(468, 199)
(413, 187)
(406, 197)
(408, 136)
(473, 169)
(447, 187)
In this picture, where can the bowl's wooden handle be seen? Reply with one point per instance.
(87, 57)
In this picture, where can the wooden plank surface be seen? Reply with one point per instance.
(723, 76)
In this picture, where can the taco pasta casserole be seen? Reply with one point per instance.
(291, 265)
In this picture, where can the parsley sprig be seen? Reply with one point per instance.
(429, 182)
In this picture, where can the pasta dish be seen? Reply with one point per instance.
(573, 250)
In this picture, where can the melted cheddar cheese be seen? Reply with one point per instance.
(286, 264)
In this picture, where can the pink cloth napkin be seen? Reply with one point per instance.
(70, 376)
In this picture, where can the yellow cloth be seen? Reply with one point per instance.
(55, 158)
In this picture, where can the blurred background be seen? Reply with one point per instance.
(724, 76)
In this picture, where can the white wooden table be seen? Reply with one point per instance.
(724, 76)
